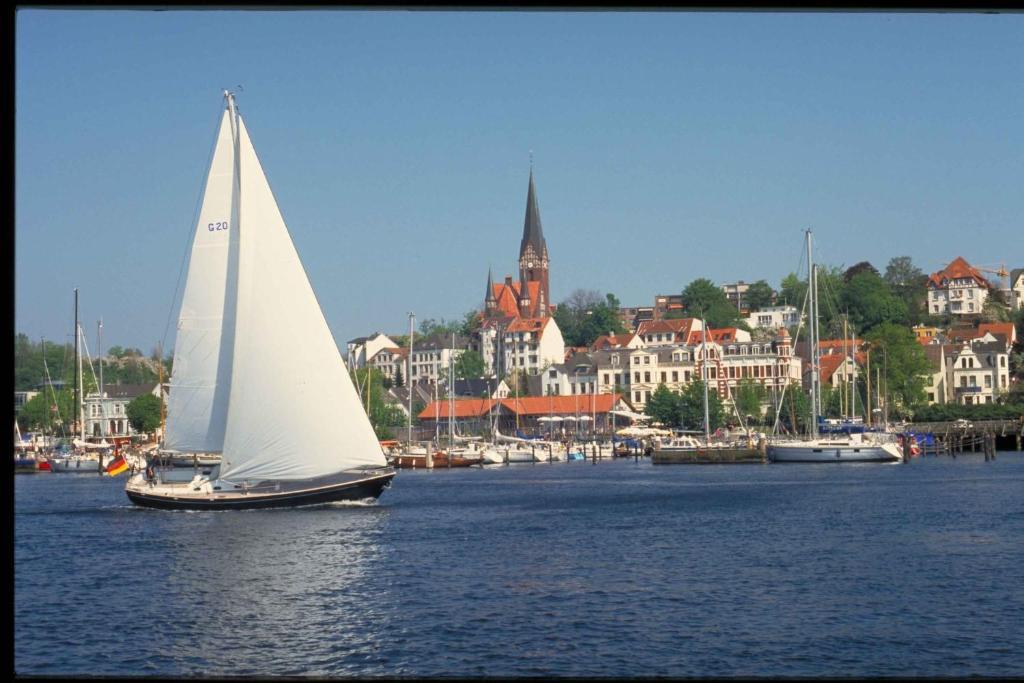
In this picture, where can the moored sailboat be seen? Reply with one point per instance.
(854, 447)
(257, 376)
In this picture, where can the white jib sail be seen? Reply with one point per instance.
(294, 413)
(197, 403)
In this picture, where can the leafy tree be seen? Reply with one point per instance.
(869, 301)
(749, 397)
(691, 407)
(469, 365)
(144, 413)
(399, 379)
(859, 268)
(383, 415)
(759, 295)
(905, 365)
(910, 284)
(702, 298)
(470, 323)
(585, 315)
(995, 311)
(41, 413)
(792, 290)
(430, 327)
(664, 406)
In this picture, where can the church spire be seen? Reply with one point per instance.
(533, 234)
(490, 303)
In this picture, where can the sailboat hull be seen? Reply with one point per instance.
(265, 495)
(832, 453)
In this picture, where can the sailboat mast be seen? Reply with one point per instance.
(412, 320)
(812, 282)
(74, 425)
(704, 377)
(99, 352)
(853, 380)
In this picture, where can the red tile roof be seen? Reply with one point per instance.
(680, 326)
(607, 341)
(464, 408)
(584, 404)
(528, 325)
(957, 269)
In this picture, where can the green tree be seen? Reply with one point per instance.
(41, 413)
(144, 413)
(869, 302)
(691, 407)
(910, 285)
(664, 406)
(469, 365)
(904, 364)
(748, 398)
(399, 379)
(759, 295)
(384, 416)
(995, 310)
(792, 290)
(585, 315)
(470, 323)
(702, 298)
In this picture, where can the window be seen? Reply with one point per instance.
(647, 360)
(675, 376)
(647, 377)
(606, 378)
(636, 377)
(988, 381)
(664, 375)
(615, 359)
(636, 396)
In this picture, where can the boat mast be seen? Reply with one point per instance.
(704, 378)
(815, 392)
(412, 320)
(74, 422)
(103, 403)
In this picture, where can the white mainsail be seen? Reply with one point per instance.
(197, 403)
(293, 412)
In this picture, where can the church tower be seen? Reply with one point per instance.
(490, 302)
(534, 299)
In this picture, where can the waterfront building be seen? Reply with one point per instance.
(106, 414)
(977, 371)
(957, 289)
(581, 413)
(617, 341)
(481, 387)
(936, 389)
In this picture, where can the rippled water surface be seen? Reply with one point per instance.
(566, 569)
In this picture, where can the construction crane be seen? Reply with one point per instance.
(1001, 272)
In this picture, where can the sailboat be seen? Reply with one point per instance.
(257, 376)
(863, 447)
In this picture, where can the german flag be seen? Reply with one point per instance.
(117, 466)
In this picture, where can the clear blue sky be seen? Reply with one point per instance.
(667, 147)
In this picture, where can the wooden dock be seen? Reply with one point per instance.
(969, 436)
(709, 456)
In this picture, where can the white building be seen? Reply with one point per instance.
(526, 345)
(1016, 296)
(106, 416)
(957, 289)
(391, 362)
(362, 349)
(432, 356)
(774, 317)
(977, 372)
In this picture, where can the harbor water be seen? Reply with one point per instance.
(618, 568)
